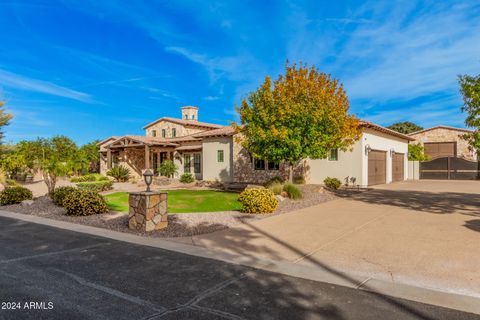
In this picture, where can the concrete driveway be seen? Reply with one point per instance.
(424, 233)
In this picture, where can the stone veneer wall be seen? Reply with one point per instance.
(446, 135)
(147, 211)
(244, 172)
(180, 129)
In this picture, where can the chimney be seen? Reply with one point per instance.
(190, 113)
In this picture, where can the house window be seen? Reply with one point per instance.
(154, 133)
(196, 162)
(174, 132)
(164, 133)
(273, 165)
(333, 156)
(259, 164)
(219, 155)
(186, 163)
(193, 116)
(186, 117)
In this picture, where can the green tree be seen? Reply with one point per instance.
(4, 119)
(89, 153)
(470, 90)
(168, 168)
(416, 152)
(405, 127)
(55, 157)
(303, 114)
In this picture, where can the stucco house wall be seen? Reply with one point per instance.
(349, 164)
(383, 142)
(211, 168)
(446, 134)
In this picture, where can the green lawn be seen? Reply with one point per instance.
(184, 201)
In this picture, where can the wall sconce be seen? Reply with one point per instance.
(392, 152)
(148, 177)
(367, 149)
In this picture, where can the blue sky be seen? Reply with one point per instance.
(90, 69)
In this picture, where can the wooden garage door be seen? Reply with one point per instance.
(441, 149)
(398, 167)
(377, 167)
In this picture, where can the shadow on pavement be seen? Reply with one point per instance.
(430, 202)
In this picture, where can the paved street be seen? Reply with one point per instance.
(87, 277)
(420, 233)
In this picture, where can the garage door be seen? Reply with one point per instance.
(398, 167)
(441, 149)
(377, 167)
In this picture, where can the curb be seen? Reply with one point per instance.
(404, 291)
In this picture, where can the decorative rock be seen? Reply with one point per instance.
(147, 211)
(27, 202)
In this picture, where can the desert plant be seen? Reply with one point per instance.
(299, 180)
(89, 177)
(84, 203)
(187, 178)
(120, 173)
(60, 193)
(332, 183)
(98, 186)
(258, 200)
(12, 183)
(13, 195)
(276, 188)
(274, 180)
(168, 168)
(292, 191)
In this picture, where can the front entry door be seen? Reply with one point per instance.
(163, 157)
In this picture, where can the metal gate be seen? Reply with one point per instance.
(450, 168)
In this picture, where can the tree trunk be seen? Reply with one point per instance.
(290, 172)
(50, 181)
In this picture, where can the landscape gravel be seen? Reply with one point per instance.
(179, 225)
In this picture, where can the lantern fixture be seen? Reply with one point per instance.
(148, 177)
(367, 149)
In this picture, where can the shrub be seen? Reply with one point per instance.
(292, 191)
(276, 188)
(89, 177)
(12, 183)
(299, 180)
(60, 193)
(98, 186)
(167, 168)
(187, 178)
(274, 180)
(120, 173)
(258, 200)
(13, 195)
(332, 183)
(84, 203)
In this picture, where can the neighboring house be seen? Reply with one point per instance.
(212, 152)
(443, 141)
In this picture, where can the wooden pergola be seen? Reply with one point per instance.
(137, 142)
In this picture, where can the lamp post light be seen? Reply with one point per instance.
(148, 177)
(392, 152)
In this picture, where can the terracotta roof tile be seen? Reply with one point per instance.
(225, 131)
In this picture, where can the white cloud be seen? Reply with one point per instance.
(12, 80)
(211, 98)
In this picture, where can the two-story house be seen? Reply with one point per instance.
(212, 152)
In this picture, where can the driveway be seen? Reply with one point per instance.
(423, 233)
(72, 275)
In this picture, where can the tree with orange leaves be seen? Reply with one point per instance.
(304, 114)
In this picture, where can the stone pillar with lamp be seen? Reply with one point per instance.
(147, 209)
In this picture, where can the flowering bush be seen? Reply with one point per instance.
(258, 200)
(84, 203)
(13, 195)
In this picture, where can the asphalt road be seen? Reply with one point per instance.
(71, 275)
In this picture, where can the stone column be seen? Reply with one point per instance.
(147, 211)
(147, 157)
